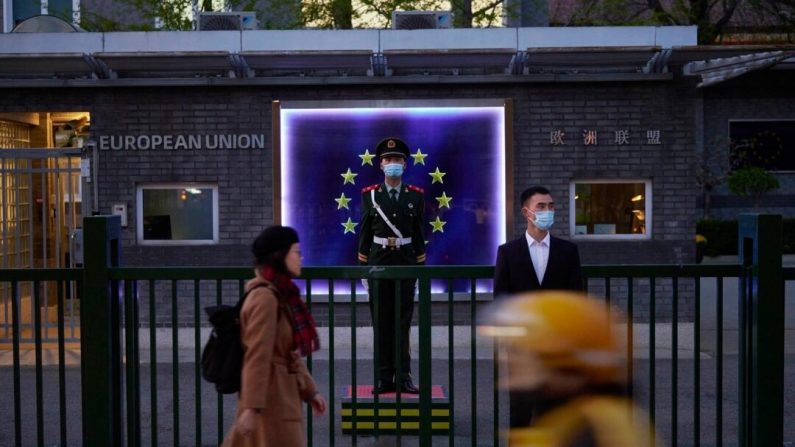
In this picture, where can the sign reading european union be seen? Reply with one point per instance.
(327, 157)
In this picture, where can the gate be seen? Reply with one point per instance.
(40, 209)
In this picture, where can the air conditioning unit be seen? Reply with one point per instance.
(422, 19)
(227, 21)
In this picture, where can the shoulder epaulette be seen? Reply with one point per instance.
(416, 189)
(371, 187)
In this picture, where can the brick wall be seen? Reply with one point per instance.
(244, 177)
(767, 95)
(636, 107)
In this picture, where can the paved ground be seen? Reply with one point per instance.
(467, 417)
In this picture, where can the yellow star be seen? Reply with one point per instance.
(444, 201)
(437, 176)
(342, 202)
(419, 157)
(438, 225)
(349, 176)
(367, 158)
(349, 226)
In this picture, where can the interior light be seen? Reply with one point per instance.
(637, 198)
(194, 190)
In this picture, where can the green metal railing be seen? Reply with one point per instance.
(123, 306)
(61, 280)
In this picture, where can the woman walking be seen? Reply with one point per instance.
(276, 330)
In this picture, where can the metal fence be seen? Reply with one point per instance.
(139, 381)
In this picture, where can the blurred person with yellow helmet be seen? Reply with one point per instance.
(564, 349)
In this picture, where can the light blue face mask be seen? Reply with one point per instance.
(544, 220)
(393, 170)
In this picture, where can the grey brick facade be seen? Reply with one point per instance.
(244, 177)
(757, 96)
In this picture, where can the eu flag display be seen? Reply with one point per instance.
(457, 157)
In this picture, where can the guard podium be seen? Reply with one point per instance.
(366, 412)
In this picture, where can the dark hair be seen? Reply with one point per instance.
(272, 245)
(531, 191)
(275, 259)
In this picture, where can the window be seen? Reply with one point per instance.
(611, 209)
(765, 144)
(177, 214)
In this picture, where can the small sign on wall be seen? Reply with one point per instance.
(120, 209)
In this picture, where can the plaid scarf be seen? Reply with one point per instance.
(304, 332)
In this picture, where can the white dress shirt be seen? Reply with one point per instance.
(539, 254)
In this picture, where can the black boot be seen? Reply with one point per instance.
(407, 386)
(384, 386)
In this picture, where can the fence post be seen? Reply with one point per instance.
(425, 360)
(762, 331)
(100, 341)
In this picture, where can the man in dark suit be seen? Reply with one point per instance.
(535, 261)
(392, 234)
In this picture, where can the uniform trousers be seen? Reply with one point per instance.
(384, 326)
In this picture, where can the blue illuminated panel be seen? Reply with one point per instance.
(467, 144)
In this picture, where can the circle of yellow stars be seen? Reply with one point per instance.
(418, 157)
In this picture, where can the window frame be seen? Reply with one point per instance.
(611, 237)
(139, 221)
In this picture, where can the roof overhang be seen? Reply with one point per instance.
(299, 57)
(717, 67)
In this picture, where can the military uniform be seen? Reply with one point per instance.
(379, 244)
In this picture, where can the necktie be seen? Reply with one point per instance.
(393, 193)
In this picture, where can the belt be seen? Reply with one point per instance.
(391, 241)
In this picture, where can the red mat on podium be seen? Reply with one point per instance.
(366, 392)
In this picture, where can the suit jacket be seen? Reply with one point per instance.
(514, 271)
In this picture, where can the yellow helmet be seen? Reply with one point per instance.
(563, 330)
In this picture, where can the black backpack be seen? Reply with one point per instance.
(222, 357)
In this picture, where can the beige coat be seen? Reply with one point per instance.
(271, 381)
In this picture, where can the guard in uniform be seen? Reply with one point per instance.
(392, 234)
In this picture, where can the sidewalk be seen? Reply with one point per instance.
(342, 348)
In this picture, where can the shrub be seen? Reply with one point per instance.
(752, 182)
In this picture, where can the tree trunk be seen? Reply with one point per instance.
(462, 13)
(706, 192)
(342, 12)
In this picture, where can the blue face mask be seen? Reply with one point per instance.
(393, 170)
(544, 220)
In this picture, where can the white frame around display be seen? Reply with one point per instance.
(139, 221)
(611, 237)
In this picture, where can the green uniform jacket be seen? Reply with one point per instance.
(407, 216)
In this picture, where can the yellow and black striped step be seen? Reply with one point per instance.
(365, 416)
